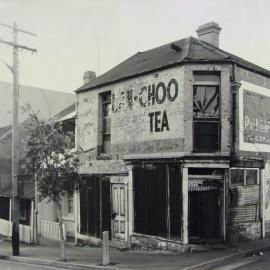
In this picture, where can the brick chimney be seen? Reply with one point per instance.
(209, 33)
(88, 76)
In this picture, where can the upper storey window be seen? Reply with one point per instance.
(106, 122)
(206, 112)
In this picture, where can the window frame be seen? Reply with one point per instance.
(245, 174)
(104, 102)
(23, 209)
(70, 202)
(217, 120)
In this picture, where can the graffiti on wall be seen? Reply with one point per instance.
(147, 96)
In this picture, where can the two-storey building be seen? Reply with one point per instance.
(174, 142)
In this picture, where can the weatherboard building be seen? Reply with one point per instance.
(175, 146)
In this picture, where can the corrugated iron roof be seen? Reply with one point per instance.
(182, 51)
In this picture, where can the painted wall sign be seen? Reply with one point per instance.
(254, 118)
(158, 121)
(145, 97)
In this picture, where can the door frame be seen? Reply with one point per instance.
(218, 164)
(220, 180)
(120, 181)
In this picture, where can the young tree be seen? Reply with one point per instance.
(50, 156)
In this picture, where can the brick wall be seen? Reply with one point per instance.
(141, 123)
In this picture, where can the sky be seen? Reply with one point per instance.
(74, 36)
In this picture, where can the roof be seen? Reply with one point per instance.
(67, 114)
(45, 102)
(186, 50)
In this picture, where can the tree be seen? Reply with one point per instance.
(50, 156)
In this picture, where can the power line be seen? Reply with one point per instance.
(17, 29)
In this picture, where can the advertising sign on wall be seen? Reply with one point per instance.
(254, 118)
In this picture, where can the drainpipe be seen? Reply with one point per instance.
(234, 88)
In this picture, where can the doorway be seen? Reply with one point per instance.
(205, 204)
(119, 211)
(95, 207)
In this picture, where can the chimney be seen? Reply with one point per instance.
(88, 76)
(209, 33)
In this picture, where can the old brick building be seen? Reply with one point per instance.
(174, 143)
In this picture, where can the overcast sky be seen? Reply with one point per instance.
(68, 32)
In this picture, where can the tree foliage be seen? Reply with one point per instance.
(50, 155)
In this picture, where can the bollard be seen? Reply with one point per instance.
(105, 249)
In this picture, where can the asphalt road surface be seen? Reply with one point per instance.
(8, 265)
(258, 262)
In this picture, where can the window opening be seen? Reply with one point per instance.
(244, 177)
(22, 209)
(206, 113)
(106, 122)
(70, 204)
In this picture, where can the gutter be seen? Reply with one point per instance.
(184, 62)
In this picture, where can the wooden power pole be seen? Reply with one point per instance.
(15, 210)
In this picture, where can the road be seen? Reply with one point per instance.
(8, 265)
(258, 262)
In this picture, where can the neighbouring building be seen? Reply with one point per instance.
(46, 103)
(175, 146)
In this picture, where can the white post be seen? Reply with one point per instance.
(105, 249)
(32, 226)
(262, 179)
(185, 205)
(76, 215)
(10, 214)
(130, 204)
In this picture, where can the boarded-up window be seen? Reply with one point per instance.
(157, 200)
(95, 212)
(244, 195)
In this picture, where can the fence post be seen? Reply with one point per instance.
(105, 249)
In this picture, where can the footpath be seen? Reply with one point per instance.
(85, 258)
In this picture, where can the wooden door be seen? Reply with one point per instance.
(119, 211)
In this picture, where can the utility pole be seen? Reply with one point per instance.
(15, 210)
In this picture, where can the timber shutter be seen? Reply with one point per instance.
(157, 200)
(245, 203)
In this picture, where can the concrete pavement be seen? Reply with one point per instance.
(48, 253)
